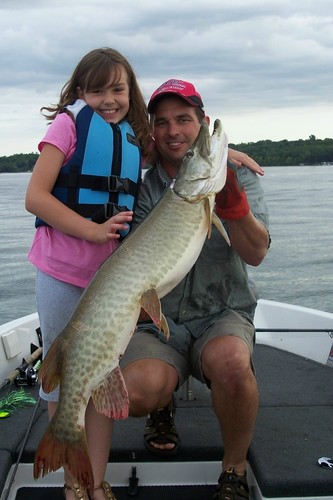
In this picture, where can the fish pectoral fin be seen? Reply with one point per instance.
(165, 327)
(217, 223)
(49, 373)
(111, 397)
(152, 305)
(208, 212)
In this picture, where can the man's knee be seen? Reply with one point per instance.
(149, 382)
(226, 359)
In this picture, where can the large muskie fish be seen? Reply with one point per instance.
(150, 262)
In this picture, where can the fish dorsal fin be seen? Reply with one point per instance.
(152, 305)
(217, 223)
(110, 397)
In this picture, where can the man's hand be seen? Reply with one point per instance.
(231, 202)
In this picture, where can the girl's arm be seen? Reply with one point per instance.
(242, 159)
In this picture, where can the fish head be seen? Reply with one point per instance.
(203, 170)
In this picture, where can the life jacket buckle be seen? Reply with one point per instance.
(111, 209)
(115, 184)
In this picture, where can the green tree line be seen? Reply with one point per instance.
(267, 153)
(283, 153)
(23, 162)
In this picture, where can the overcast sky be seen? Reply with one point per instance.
(264, 67)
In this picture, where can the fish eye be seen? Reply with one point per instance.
(190, 153)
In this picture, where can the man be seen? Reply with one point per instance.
(210, 312)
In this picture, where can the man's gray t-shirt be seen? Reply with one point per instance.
(218, 281)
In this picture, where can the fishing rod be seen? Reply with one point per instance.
(12, 478)
(291, 330)
(25, 374)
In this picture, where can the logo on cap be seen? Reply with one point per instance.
(185, 90)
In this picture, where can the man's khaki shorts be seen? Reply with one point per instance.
(146, 344)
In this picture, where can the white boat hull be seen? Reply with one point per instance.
(295, 323)
(297, 330)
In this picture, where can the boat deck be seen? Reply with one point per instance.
(294, 428)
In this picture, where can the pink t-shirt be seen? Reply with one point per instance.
(65, 257)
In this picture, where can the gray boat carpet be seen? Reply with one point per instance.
(294, 428)
(144, 493)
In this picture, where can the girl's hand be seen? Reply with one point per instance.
(242, 159)
(109, 230)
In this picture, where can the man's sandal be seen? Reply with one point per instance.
(80, 494)
(160, 428)
(232, 486)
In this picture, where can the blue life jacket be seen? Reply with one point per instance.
(104, 174)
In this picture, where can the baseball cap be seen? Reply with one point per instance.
(185, 90)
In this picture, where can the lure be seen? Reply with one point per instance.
(13, 401)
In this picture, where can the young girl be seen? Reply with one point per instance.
(83, 191)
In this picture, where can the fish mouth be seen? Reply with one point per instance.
(204, 167)
(196, 198)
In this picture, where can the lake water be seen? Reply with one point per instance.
(298, 268)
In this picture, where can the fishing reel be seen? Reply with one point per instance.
(27, 372)
(27, 376)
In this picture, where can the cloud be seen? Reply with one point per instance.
(264, 67)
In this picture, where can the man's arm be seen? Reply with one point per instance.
(249, 238)
(247, 229)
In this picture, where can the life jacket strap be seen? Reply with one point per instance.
(111, 184)
(97, 213)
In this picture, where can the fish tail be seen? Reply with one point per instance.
(53, 453)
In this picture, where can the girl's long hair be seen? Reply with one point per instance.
(93, 71)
